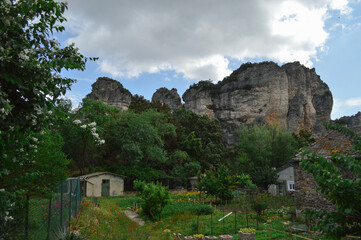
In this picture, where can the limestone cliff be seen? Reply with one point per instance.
(111, 92)
(292, 95)
(169, 97)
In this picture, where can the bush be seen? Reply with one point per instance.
(155, 198)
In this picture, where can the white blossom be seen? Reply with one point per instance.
(96, 135)
(34, 139)
(83, 126)
(77, 121)
(93, 130)
(92, 124)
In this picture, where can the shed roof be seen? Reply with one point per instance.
(333, 142)
(90, 175)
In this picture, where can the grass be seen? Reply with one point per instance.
(108, 221)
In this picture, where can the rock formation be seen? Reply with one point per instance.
(111, 92)
(169, 97)
(292, 95)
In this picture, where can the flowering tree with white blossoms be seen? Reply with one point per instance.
(30, 86)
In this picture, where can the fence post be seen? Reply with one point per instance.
(70, 190)
(235, 218)
(223, 218)
(61, 205)
(211, 223)
(27, 217)
(197, 223)
(49, 220)
(78, 195)
(76, 198)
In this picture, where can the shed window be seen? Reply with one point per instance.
(106, 180)
(290, 185)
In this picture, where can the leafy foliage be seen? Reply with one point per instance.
(220, 182)
(303, 138)
(339, 180)
(262, 149)
(30, 86)
(155, 198)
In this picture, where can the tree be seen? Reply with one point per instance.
(138, 138)
(339, 179)
(220, 182)
(303, 138)
(86, 129)
(262, 149)
(155, 197)
(30, 85)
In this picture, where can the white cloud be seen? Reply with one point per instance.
(345, 107)
(197, 38)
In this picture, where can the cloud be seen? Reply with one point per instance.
(345, 107)
(197, 38)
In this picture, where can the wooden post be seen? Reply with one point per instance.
(27, 217)
(61, 205)
(247, 217)
(235, 219)
(49, 221)
(211, 223)
(223, 218)
(197, 223)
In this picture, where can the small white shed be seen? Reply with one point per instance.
(102, 184)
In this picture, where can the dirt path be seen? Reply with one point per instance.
(134, 217)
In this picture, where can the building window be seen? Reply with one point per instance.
(106, 181)
(290, 185)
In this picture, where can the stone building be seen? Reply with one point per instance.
(102, 184)
(305, 194)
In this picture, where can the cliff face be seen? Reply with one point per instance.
(292, 95)
(111, 92)
(169, 97)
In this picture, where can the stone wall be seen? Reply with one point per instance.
(305, 193)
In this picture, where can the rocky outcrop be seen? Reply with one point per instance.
(169, 97)
(292, 96)
(111, 92)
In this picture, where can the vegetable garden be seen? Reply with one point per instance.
(190, 215)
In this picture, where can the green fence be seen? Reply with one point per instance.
(49, 218)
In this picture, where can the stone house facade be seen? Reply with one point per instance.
(102, 184)
(306, 194)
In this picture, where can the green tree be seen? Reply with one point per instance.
(155, 197)
(220, 182)
(339, 179)
(200, 137)
(303, 138)
(30, 85)
(262, 149)
(86, 129)
(138, 138)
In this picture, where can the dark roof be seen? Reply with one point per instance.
(90, 175)
(333, 142)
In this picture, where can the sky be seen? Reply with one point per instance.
(147, 45)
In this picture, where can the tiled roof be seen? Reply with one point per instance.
(333, 142)
(90, 175)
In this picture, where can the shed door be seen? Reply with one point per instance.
(105, 188)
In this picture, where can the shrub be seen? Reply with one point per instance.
(155, 198)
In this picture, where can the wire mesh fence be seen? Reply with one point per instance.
(45, 218)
